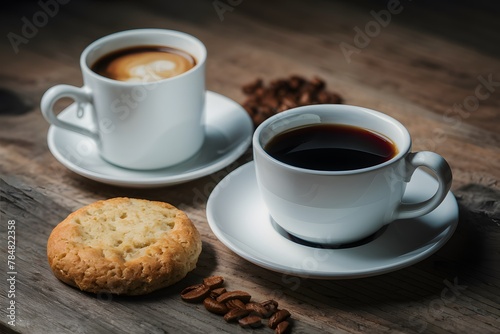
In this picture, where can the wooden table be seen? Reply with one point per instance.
(435, 67)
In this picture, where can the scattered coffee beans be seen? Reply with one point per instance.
(281, 94)
(195, 293)
(236, 305)
(251, 321)
(230, 295)
(215, 307)
(282, 327)
(235, 314)
(217, 292)
(213, 282)
(277, 318)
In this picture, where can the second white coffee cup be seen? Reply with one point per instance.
(139, 125)
(338, 207)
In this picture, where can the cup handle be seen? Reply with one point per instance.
(441, 169)
(80, 95)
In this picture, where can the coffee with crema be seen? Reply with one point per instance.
(144, 63)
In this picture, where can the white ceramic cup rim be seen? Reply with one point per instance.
(404, 146)
(84, 61)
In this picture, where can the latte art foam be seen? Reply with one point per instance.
(144, 64)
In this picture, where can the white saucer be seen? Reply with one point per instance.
(228, 134)
(239, 218)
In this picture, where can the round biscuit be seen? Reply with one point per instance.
(124, 246)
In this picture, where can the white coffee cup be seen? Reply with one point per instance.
(139, 125)
(337, 207)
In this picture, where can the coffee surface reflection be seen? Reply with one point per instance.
(331, 147)
(144, 64)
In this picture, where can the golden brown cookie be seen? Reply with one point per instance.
(124, 246)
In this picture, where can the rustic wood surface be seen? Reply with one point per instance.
(429, 66)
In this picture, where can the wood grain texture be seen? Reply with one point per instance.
(429, 59)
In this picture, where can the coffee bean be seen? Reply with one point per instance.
(217, 292)
(278, 83)
(271, 101)
(282, 107)
(195, 293)
(295, 82)
(259, 92)
(250, 321)
(235, 314)
(271, 306)
(241, 295)
(235, 303)
(305, 98)
(257, 308)
(278, 317)
(282, 328)
(289, 103)
(318, 83)
(213, 282)
(323, 97)
(252, 86)
(334, 98)
(215, 307)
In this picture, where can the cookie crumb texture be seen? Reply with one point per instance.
(124, 246)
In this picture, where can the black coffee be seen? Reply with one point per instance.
(331, 147)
